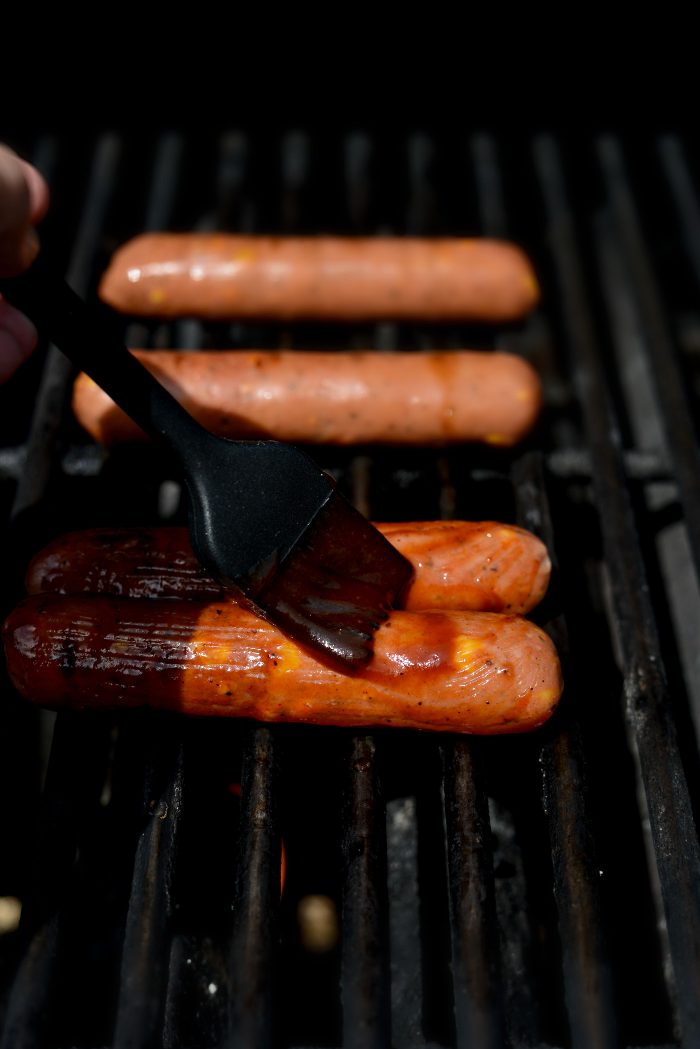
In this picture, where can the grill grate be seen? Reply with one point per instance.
(518, 891)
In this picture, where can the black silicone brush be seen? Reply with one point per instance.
(264, 518)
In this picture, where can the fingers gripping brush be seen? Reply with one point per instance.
(264, 518)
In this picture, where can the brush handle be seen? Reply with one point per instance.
(84, 336)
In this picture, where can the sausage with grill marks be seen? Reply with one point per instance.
(467, 672)
(478, 565)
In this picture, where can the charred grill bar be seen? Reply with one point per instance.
(515, 891)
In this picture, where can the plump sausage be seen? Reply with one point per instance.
(356, 397)
(473, 672)
(478, 565)
(223, 276)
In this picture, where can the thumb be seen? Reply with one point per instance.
(18, 241)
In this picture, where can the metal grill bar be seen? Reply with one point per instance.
(201, 896)
(475, 960)
(145, 953)
(256, 898)
(684, 195)
(659, 343)
(685, 198)
(489, 186)
(585, 955)
(405, 947)
(645, 693)
(365, 976)
(566, 463)
(160, 205)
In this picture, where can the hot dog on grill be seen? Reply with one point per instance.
(222, 276)
(473, 672)
(480, 565)
(355, 397)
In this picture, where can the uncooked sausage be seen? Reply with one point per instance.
(223, 276)
(344, 398)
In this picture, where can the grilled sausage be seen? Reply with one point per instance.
(222, 276)
(483, 565)
(473, 672)
(356, 397)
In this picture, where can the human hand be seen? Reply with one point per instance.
(24, 198)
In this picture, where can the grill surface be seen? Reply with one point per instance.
(532, 891)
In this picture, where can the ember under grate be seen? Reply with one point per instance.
(535, 891)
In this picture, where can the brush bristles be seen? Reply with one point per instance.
(337, 586)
